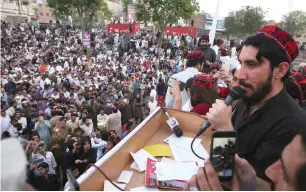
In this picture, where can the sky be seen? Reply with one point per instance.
(275, 8)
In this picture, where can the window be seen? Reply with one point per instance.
(40, 5)
(46, 5)
(305, 36)
(47, 14)
(208, 22)
(41, 14)
(220, 24)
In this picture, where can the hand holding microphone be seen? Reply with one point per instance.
(219, 116)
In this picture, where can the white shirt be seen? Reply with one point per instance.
(67, 94)
(187, 106)
(23, 122)
(48, 159)
(48, 81)
(153, 94)
(10, 111)
(152, 106)
(99, 144)
(5, 123)
(55, 96)
(182, 77)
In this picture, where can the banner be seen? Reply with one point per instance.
(190, 31)
(86, 39)
(116, 28)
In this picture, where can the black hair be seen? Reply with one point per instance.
(97, 129)
(43, 165)
(104, 135)
(188, 83)
(6, 134)
(294, 89)
(193, 63)
(268, 49)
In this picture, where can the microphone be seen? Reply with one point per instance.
(173, 124)
(235, 93)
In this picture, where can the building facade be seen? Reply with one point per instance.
(43, 13)
(15, 12)
(209, 21)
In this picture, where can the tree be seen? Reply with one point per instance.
(86, 10)
(245, 21)
(125, 8)
(164, 12)
(294, 22)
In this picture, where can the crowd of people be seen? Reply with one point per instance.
(69, 104)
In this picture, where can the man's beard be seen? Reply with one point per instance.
(259, 94)
(205, 45)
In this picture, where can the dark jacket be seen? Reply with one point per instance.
(161, 89)
(303, 105)
(263, 135)
(90, 156)
(127, 113)
(208, 53)
(42, 183)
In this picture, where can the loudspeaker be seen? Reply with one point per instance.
(192, 22)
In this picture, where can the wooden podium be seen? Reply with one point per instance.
(153, 130)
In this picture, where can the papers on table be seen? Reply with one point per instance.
(108, 186)
(144, 188)
(181, 154)
(125, 177)
(182, 142)
(175, 170)
(165, 159)
(159, 150)
(141, 157)
(135, 166)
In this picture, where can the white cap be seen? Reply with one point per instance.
(13, 165)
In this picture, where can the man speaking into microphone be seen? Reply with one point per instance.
(266, 118)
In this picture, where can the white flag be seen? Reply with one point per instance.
(212, 31)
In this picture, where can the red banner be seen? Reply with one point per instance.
(116, 28)
(191, 31)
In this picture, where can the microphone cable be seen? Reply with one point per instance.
(193, 149)
(107, 178)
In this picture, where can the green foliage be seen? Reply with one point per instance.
(86, 10)
(163, 12)
(125, 6)
(245, 21)
(294, 22)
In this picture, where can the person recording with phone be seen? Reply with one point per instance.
(266, 118)
(286, 174)
(83, 154)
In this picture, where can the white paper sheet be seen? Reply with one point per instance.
(110, 187)
(180, 154)
(135, 166)
(141, 157)
(144, 188)
(165, 159)
(175, 170)
(125, 177)
(182, 142)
